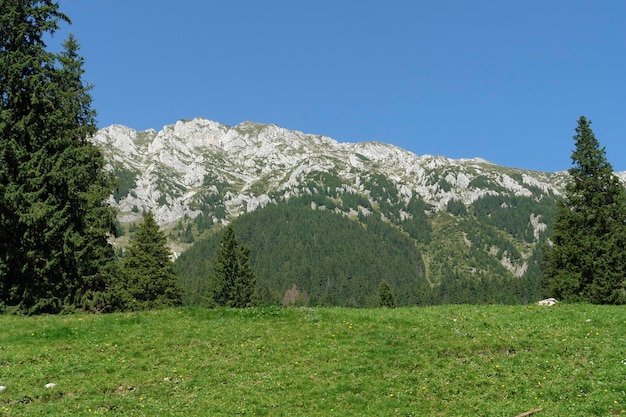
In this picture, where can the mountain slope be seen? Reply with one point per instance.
(330, 259)
(249, 165)
(472, 221)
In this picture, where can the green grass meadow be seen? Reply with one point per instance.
(569, 360)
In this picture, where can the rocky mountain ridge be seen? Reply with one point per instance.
(469, 218)
(169, 171)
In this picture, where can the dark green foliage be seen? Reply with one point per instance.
(418, 225)
(483, 289)
(528, 288)
(203, 222)
(354, 201)
(187, 235)
(333, 260)
(489, 247)
(54, 253)
(326, 183)
(385, 295)
(381, 188)
(473, 271)
(587, 261)
(193, 268)
(162, 200)
(456, 208)
(485, 237)
(232, 282)
(214, 204)
(444, 185)
(149, 281)
(511, 213)
(385, 194)
(183, 232)
(125, 183)
(119, 229)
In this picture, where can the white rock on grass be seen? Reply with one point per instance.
(547, 302)
(50, 385)
(2, 388)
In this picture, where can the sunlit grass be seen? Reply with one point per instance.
(439, 361)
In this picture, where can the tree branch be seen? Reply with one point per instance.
(527, 413)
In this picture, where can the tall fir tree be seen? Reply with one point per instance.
(233, 282)
(587, 259)
(385, 295)
(149, 280)
(54, 222)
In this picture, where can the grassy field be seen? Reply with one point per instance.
(569, 360)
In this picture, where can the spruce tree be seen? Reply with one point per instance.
(233, 282)
(54, 252)
(587, 259)
(385, 296)
(149, 280)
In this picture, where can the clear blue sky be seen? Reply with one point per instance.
(501, 80)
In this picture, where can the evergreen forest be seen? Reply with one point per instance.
(331, 259)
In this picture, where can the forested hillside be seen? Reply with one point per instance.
(334, 259)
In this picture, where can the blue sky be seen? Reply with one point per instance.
(501, 80)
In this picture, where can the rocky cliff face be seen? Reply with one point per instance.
(199, 164)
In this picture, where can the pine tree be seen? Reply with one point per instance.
(54, 252)
(587, 260)
(385, 296)
(149, 280)
(233, 282)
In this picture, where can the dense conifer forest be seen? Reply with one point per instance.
(338, 260)
(331, 259)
